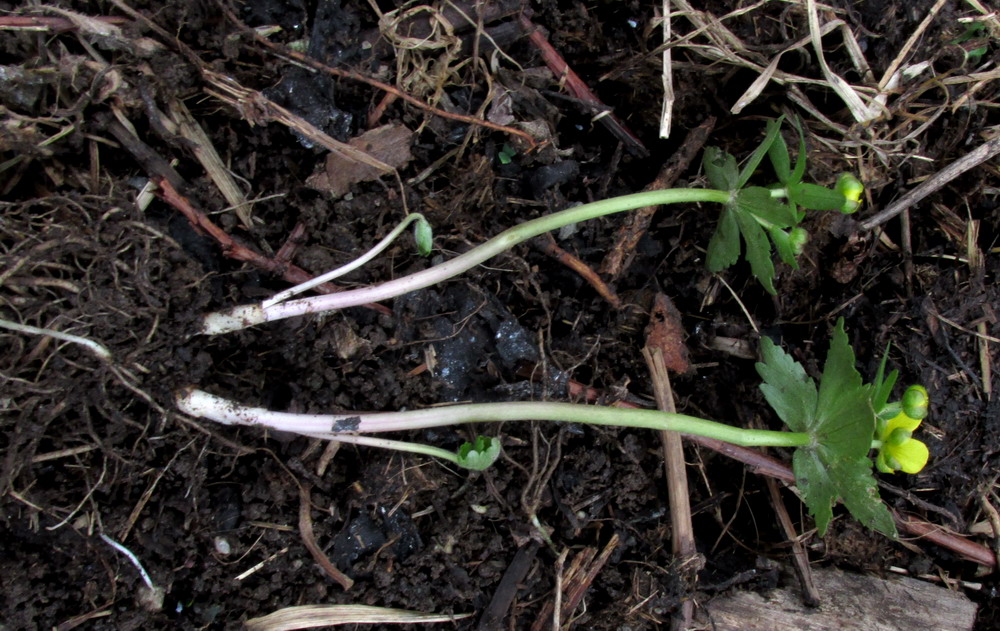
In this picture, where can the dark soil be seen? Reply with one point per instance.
(93, 446)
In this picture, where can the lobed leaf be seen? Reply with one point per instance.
(787, 387)
(845, 419)
(758, 250)
(720, 169)
(818, 488)
(759, 201)
(859, 490)
(840, 420)
(724, 246)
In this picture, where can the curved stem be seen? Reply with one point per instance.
(249, 315)
(199, 403)
(95, 347)
(395, 445)
(344, 269)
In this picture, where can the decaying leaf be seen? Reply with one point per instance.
(666, 332)
(389, 144)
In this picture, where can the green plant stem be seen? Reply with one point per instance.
(199, 403)
(248, 315)
(395, 445)
(344, 269)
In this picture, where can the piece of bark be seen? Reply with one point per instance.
(850, 601)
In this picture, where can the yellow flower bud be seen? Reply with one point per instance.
(898, 451)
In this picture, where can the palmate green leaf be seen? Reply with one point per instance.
(817, 485)
(724, 246)
(839, 418)
(787, 387)
(823, 479)
(758, 250)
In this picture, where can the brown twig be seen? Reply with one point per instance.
(578, 588)
(291, 244)
(576, 86)
(170, 183)
(663, 338)
(810, 595)
(970, 160)
(507, 588)
(45, 23)
(309, 540)
(547, 244)
(573, 584)
(236, 251)
(636, 223)
(936, 534)
(993, 516)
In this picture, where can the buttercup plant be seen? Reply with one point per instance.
(753, 211)
(769, 215)
(834, 427)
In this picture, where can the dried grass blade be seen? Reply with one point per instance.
(861, 111)
(313, 616)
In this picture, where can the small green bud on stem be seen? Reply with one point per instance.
(915, 402)
(797, 238)
(851, 188)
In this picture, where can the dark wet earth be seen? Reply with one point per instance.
(215, 514)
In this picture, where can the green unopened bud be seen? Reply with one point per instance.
(480, 455)
(889, 411)
(424, 236)
(916, 402)
(797, 238)
(851, 188)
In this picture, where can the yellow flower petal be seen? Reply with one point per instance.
(911, 455)
(903, 421)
